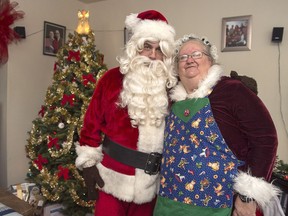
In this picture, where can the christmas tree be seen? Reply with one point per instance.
(281, 169)
(54, 134)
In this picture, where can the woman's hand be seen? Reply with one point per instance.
(244, 209)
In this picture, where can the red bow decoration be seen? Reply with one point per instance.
(52, 107)
(74, 55)
(53, 142)
(63, 172)
(40, 161)
(55, 67)
(88, 78)
(68, 99)
(8, 15)
(42, 111)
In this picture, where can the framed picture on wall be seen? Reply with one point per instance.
(236, 33)
(53, 38)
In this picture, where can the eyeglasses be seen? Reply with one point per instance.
(194, 55)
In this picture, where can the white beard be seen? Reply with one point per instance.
(144, 91)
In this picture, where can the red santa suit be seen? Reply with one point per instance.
(105, 116)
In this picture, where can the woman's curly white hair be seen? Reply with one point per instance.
(211, 49)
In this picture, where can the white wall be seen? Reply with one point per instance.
(29, 72)
(3, 122)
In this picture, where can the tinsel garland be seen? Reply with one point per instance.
(281, 169)
(52, 137)
(55, 190)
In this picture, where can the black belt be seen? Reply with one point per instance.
(150, 163)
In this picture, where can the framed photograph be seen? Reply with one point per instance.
(127, 35)
(236, 33)
(54, 38)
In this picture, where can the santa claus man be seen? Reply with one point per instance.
(122, 136)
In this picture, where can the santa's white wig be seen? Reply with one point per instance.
(146, 81)
(134, 47)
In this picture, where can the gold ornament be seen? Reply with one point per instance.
(83, 24)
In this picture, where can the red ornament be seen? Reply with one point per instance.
(55, 67)
(63, 172)
(88, 78)
(186, 112)
(40, 161)
(286, 177)
(52, 107)
(53, 142)
(42, 111)
(74, 55)
(68, 99)
(8, 15)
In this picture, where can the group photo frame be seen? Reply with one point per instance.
(53, 38)
(236, 33)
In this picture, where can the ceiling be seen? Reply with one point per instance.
(90, 1)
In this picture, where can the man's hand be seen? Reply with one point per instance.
(92, 180)
(244, 209)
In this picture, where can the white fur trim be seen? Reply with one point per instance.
(117, 184)
(139, 189)
(204, 88)
(256, 188)
(150, 140)
(178, 93)
(142, 187)
(273, 208)
(87, 156)
(151, 137)
(131, 21)
(145, 186)
(157, 30)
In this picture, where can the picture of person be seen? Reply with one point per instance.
(236, 33)
(49, 42)
(54, 38)
(58, 41)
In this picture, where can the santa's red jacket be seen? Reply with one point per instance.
(104, 116)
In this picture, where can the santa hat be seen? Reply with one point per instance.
(150, 23)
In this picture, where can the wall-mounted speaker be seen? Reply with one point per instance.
(277, 34)
(20, 30)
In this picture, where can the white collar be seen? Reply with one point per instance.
(179, 93)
